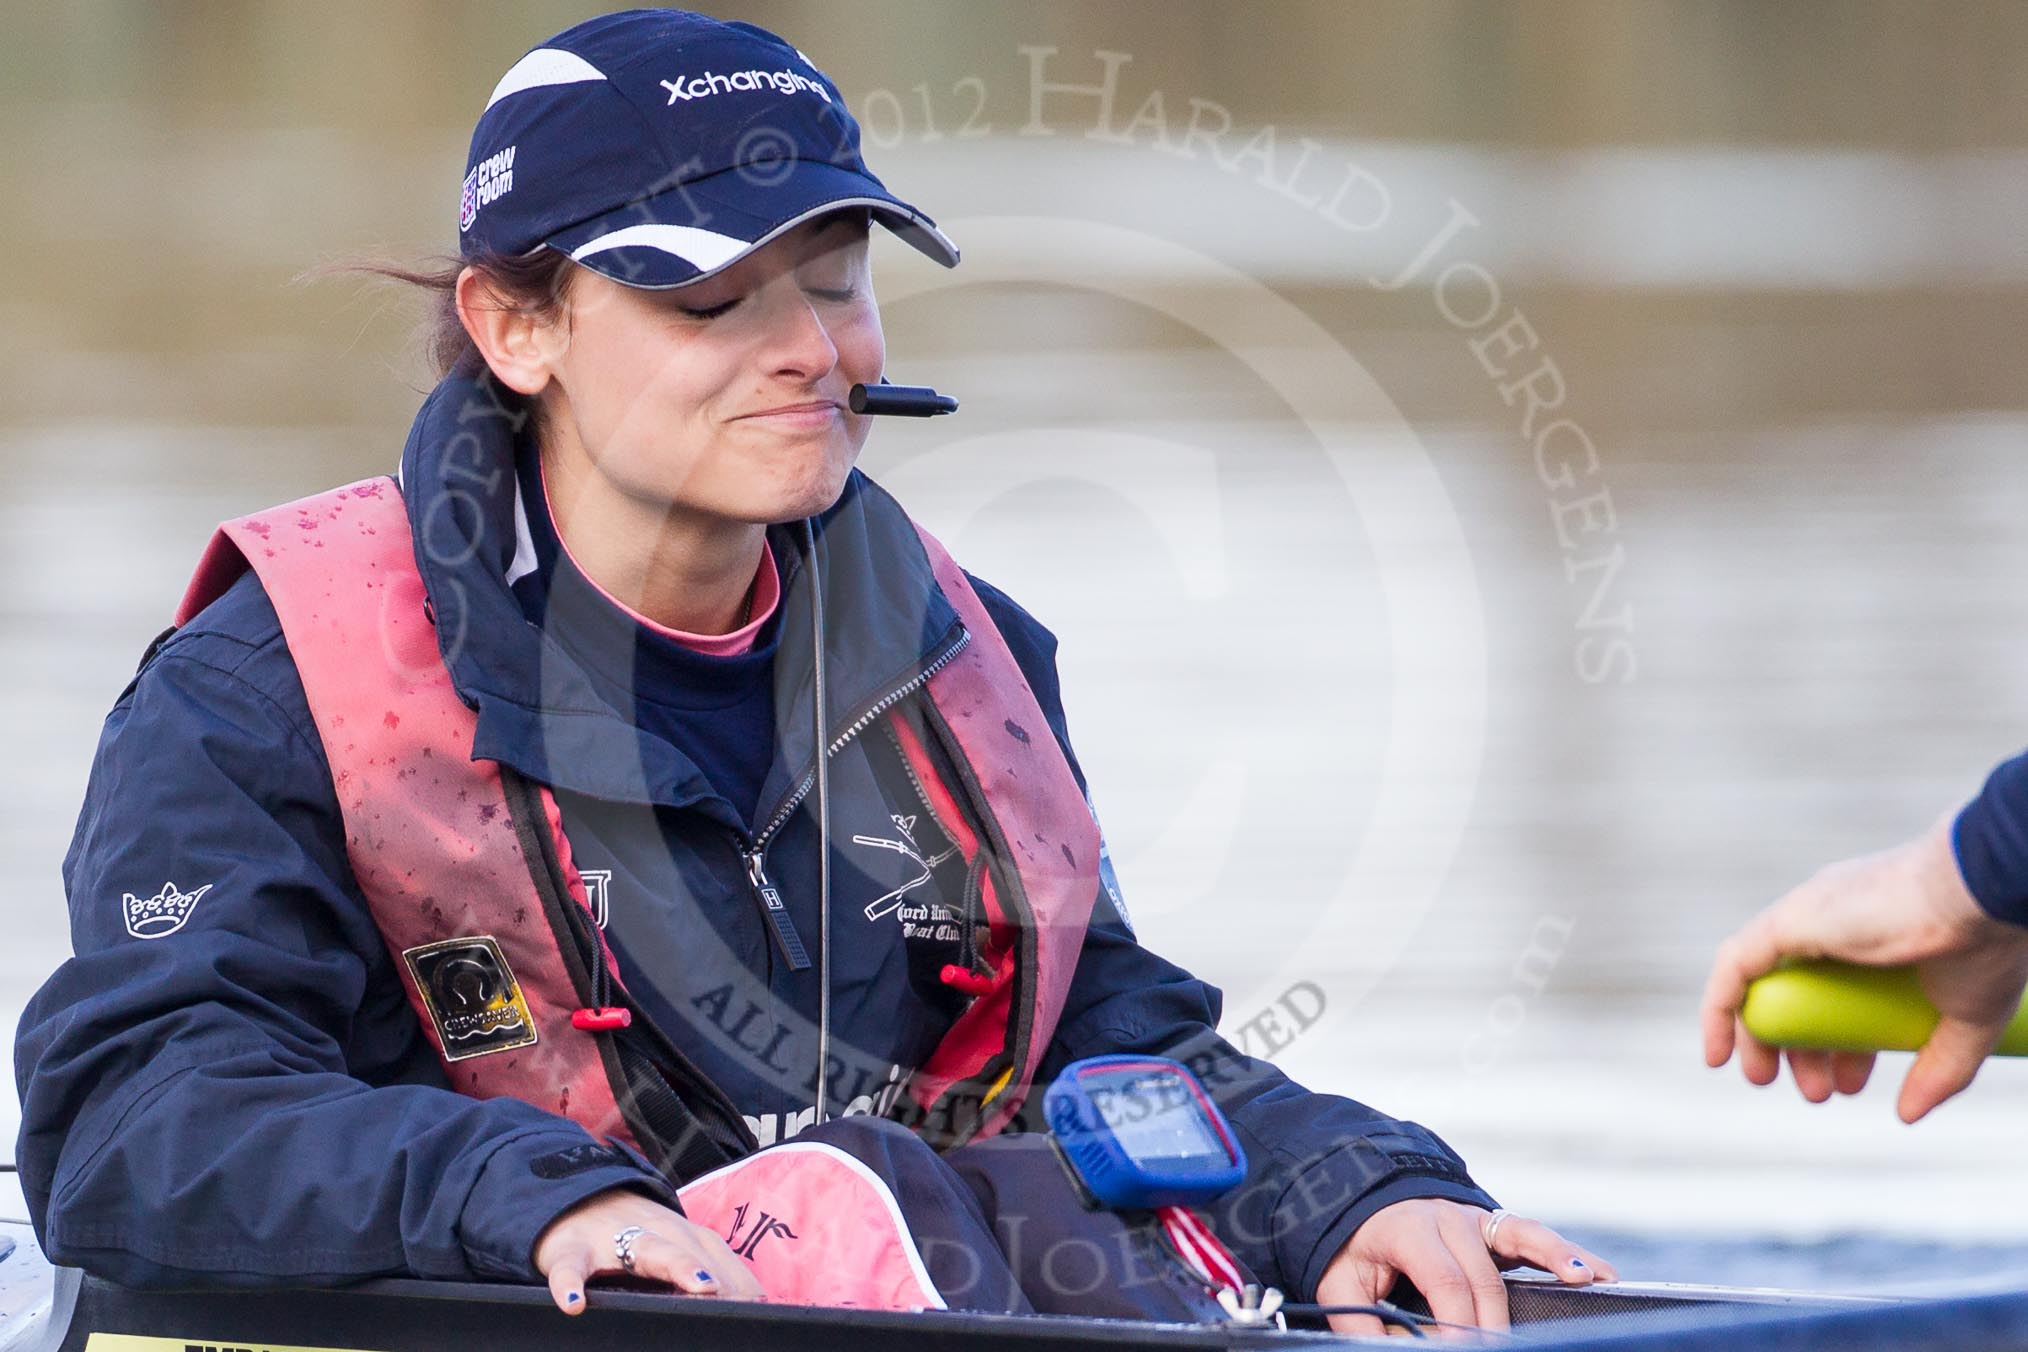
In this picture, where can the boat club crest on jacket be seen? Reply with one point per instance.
(161, 915)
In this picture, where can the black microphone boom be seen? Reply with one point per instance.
(909, 401)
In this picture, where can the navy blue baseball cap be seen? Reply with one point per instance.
(658, 146)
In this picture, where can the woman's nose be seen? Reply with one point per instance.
(799, 341)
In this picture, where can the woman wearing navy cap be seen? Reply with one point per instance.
(626, 842)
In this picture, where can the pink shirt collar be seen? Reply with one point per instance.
(767, 592)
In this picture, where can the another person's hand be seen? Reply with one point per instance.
(1441, 1246)
(579, 1245)
(1904, 905)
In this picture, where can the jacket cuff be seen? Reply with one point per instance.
(1990, 843)
(530, 1181)
(1340, 1230)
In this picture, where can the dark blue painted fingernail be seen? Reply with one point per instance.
(573, 1298)
(703, 1276)
(1577, 1262)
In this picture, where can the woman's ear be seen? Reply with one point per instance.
(520, 347)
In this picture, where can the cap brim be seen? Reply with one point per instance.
(702, 227)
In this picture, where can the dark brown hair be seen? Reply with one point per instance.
(535, 283)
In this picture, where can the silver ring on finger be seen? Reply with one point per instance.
(623, 1245)
(1490, 1227)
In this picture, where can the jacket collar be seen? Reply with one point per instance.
(884, 617)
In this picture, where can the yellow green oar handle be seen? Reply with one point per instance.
(1838, 1007)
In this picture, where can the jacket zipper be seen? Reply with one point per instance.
(754, 850)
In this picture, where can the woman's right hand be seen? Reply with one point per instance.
(579, 1245)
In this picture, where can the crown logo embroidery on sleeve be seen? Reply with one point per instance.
(161, 915)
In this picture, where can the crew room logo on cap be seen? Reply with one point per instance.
(491, 179)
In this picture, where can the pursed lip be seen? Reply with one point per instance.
(811, 406)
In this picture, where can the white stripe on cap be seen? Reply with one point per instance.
(544, 66)
(702, 249)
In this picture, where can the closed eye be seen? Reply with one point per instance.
(835, 296)
(710, 312)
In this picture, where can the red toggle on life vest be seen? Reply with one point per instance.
(469, 874)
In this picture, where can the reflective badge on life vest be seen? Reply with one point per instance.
(472, 996)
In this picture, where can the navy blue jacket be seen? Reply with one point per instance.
(250, 1099)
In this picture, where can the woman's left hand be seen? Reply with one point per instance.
(1442, 1247)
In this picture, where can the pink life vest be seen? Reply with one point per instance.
(469, 874)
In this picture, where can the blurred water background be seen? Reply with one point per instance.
(1457, 746)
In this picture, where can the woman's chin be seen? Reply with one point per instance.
(808, 496)
(813, 503)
